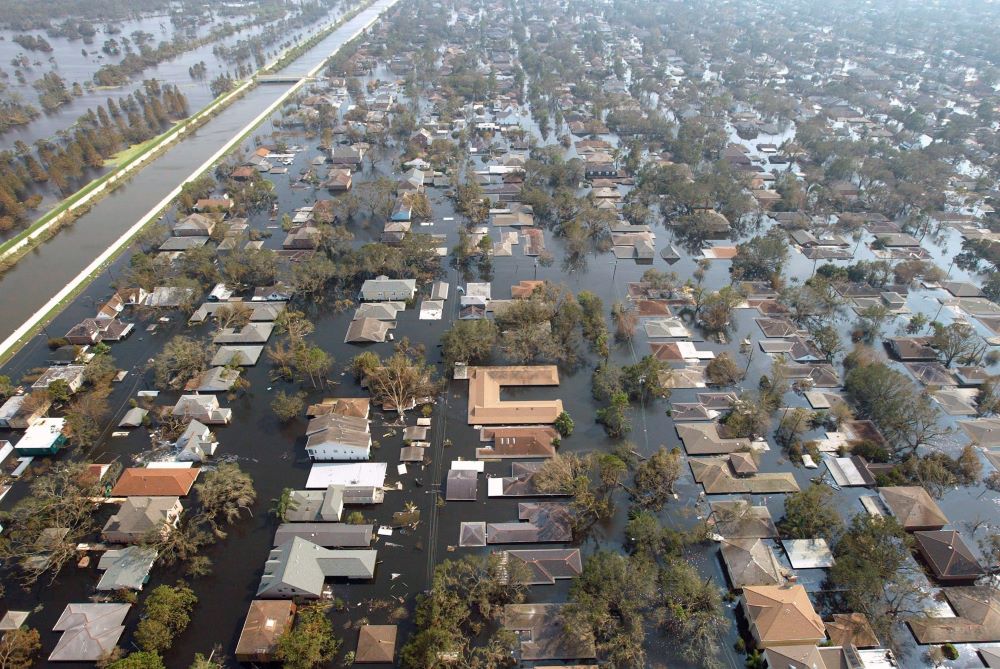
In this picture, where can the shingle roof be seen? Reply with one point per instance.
(168, 482)
(782, 613)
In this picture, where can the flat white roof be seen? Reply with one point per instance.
(364, 474)
(41, 434)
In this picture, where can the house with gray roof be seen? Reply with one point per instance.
(139, 516)
(382, 288)
(337, 437)
(89, 631)
(196, 443)
(251, 333)
(125, 568)
(306, 506)
(214, 380)
(327, 535)
(204, 408)
(244, 356)
(299, 568)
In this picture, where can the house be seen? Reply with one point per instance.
(44, 437)
(363, 330)
(948, 556)
(327, 535)
(147, 482)
(912, 349)
(204, 408)
(382, 288)
(302, 237)
(781, 616)
(735, 520)
(547, 565)
(214, 380)
(976, 620)
(751, 562)
(279, 292)
(806, 655)
(338, 180)
(266, 621)
(353, 475)
(718, 477)
(336, 437)
(299, 568)
(518, 442)
(244, 356)
(542, 522)
(213, 204)
(140, 516)
(126, 568)
(196, 443)
(913, 507)
(704, 439)
(486, 408)
(542, 636)
(89, 631)
(20, 412)
(71, 374)
(462, 485)
(307, 506)
(347, 156)
(195, 225)
(376, 644)
(251, 333)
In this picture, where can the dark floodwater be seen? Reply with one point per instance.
(274, 454)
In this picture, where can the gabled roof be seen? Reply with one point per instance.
(125, 568)
(782, 613)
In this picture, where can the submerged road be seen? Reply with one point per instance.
(44, 277)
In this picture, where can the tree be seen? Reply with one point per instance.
(465, 601)
(692, 611)
(84, 416)
(43, 528)
(614, 417)
(871, 321)
(957, 340)
(642, 381)
(827, 340)
(874, 570)
(310, 643)
(810, 513)
(402, 379)
(287, 406)
(722, 370)
(717, 308)
(762, 258)
(749, 416)
(608, 603)
(469, 341)
(181, 359)
(655, 478)
(901, 411)
(138, 660)
(563, 424)
(625, 319)
(18, 648)
(59, 391)
(166, 613)
(225, 493)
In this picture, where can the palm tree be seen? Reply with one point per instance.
(283, 504)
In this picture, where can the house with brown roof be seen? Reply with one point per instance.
(705, 439)
(976, 620)
(913, 507)
(781, 616)
(717, 476)
(517, 442)
(547, 565)
(948, 556)
(376, 644)
(486, 407)
(266, 621)
(166, 482)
